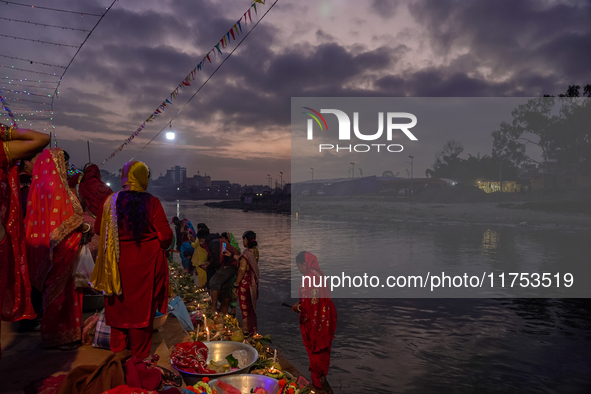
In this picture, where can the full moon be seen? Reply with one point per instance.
(170, 135)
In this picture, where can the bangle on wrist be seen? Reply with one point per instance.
(87, 228)
(236, 284)
(5, 133)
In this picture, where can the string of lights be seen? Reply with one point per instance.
(55, 92)
(32, 61)
(30, 71)
(11, 84)
(25, 92)
(26, 101)
(42, 24)
(39, 41)
(25, 80)
(50, 9)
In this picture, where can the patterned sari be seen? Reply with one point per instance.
(248, 291)
(53, 215)
(15, 288)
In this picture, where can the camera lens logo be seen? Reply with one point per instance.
(345, 129)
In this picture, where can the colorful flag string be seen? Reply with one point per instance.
(224, 41)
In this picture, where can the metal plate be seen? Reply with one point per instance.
(247, 382)
(218, 350)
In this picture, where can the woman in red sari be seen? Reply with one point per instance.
(92, 193)
(318, 320)
(131, 267)
(247, 281)
(54, 228)
(15, 288)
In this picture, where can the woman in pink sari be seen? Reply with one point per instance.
(247, 282)
(15, 288)
(55, 224)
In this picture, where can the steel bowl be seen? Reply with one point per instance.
(247, 382)
(218, 350)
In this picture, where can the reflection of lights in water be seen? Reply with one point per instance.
(490, 240)
(178, 209)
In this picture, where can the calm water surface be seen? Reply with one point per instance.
(427, 345)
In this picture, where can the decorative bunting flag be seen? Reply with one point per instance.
(234, 31)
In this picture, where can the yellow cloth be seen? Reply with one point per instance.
(135, 174)
(105, 275)
(199, 257)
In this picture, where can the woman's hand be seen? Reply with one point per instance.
(227, 253)
(297, 308)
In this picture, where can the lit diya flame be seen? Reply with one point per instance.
(257, 336)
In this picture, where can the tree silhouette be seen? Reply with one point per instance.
(559, 126)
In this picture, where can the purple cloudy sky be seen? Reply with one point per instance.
(238, 126)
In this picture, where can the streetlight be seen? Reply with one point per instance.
(411, 178)
(353, 172)
(269, 178)
(281, 178)
(312, 173)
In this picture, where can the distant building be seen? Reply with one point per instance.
(199, 181)
(177, 175)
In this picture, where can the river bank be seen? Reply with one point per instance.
(278, 204)
(379, 208)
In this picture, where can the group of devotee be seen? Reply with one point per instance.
(131, 241)
(230, 274)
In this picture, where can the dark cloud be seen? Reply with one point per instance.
(508, 36)
(142, 50)
(384, 8)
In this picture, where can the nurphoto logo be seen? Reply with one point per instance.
(345, 130)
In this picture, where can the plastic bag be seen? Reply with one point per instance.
(179, 310)
(242, 358)
(84, 268)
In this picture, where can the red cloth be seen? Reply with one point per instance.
(15, 288)
(53, 216)
(318, 321)
(61, 322)
(247, 306)
(92, 190)
(138, 340)
(139, 374)
(191, 357)
(144, 272)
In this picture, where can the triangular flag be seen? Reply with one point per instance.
(168, 101)
(255, 7)
(232, 31)
(200, 65)
(228, 36)
(245, 20)
(207, 56)
(249, 15)
(217, 46)
(239, 25)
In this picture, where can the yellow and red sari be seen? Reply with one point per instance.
(53, 215)
(15, 288)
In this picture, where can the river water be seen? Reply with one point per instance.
(426, 345)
